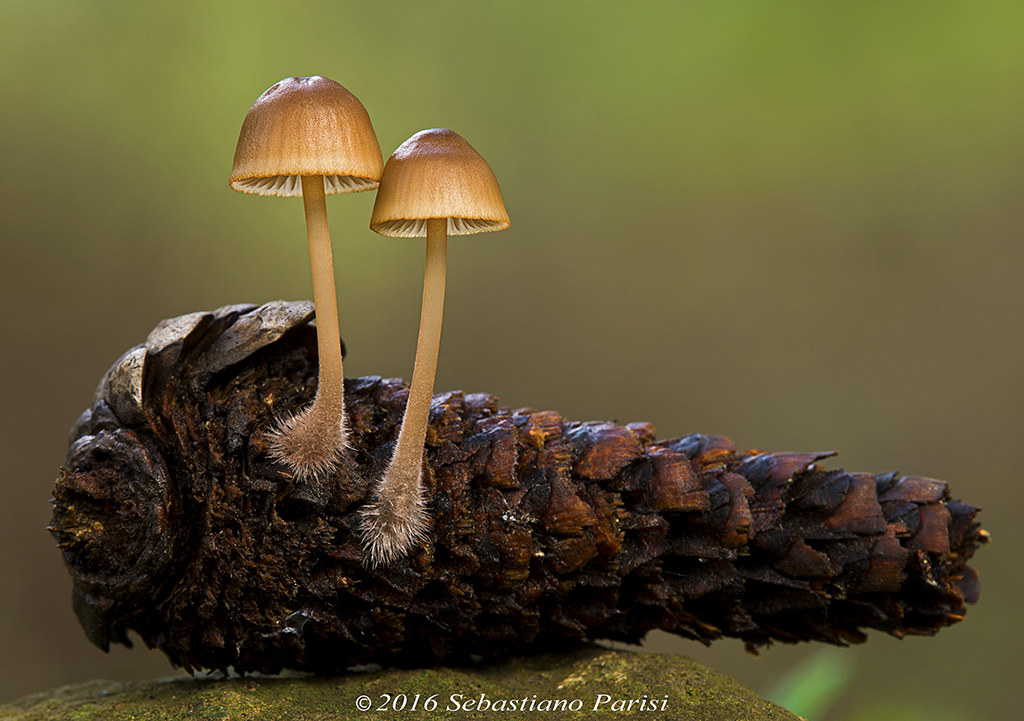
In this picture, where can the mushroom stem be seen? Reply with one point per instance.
(311, 442)
(405, 469)
(330, 395)
(396, 519)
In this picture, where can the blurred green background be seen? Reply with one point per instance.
(797, 224)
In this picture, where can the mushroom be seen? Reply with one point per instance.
(311, 137)
(434, 185)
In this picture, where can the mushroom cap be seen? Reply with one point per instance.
(306, 126)
(437, 174)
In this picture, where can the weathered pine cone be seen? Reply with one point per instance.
(176, 524)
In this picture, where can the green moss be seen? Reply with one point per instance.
(549, 687)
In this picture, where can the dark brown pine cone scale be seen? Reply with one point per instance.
(176, 525)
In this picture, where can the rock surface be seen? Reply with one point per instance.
(593, 683)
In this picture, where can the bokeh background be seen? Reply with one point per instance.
(797, 224)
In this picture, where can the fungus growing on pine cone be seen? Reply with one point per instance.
(434, 185)
(311, 137)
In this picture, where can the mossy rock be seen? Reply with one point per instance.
(593, 683)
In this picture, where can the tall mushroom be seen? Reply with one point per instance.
(434, 185)
(311, 137)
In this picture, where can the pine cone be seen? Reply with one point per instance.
(175, 523)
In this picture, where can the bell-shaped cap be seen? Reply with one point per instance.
(437, 174)
(306, 126)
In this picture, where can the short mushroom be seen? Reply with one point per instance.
(311, 137)
(434, 185)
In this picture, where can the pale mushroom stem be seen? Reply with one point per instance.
(312, 441)
(397, 518)
(330, 390)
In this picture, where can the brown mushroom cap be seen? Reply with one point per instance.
(306, 126)
(437, 174)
